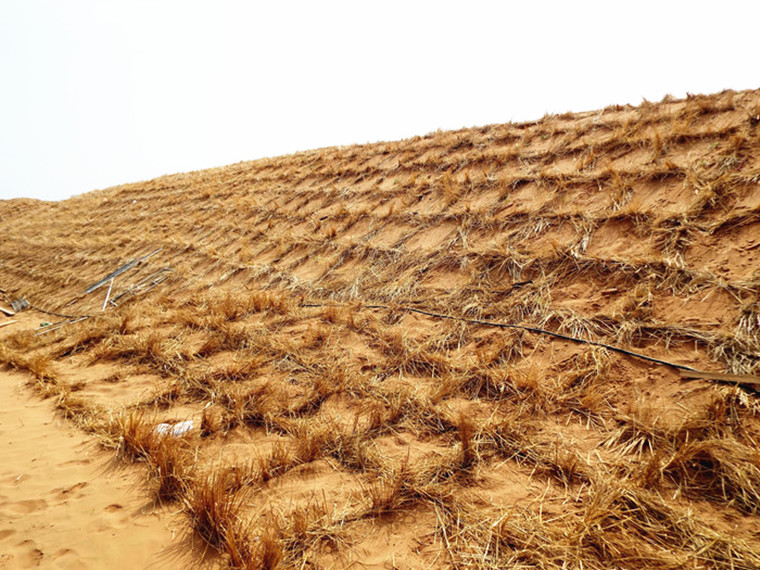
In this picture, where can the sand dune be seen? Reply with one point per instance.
(459, 350)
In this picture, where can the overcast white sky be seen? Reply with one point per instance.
(99, 93)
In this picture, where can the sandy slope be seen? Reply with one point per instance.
(292, 308)
(61, 505)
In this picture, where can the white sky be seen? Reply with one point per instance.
(99, 93)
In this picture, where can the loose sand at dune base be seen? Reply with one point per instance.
(464, 350)
(63, 502)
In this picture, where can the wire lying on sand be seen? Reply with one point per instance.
(741, 378)
(54, 314)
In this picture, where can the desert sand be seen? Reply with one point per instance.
(63, 503)
(468, 349)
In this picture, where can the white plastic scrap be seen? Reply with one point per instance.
(175, 430)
